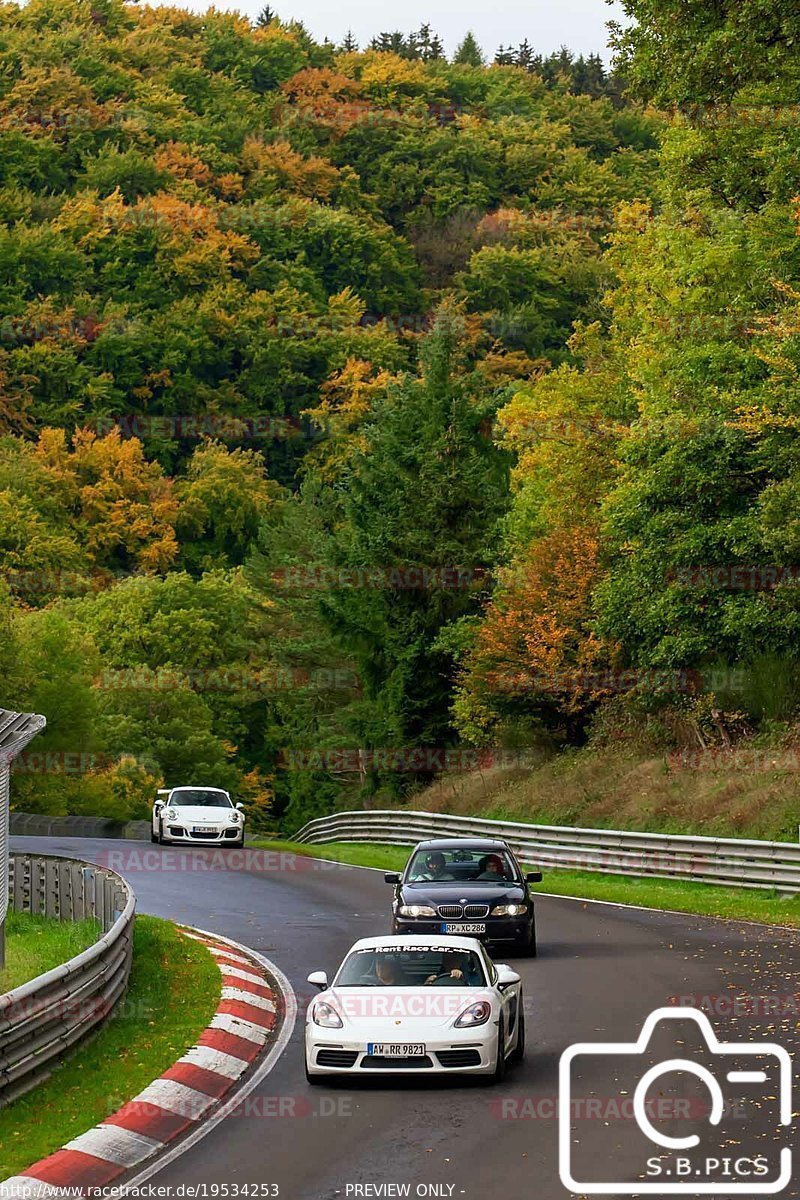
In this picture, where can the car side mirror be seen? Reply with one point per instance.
(157, 807)
(240, 807)
(533, 877)
(392, 877)
(319, 979)
(506, 976)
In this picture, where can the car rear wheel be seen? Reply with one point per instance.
(499, 1073)
(518, 1053)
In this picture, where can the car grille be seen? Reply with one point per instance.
(459, 1058)
(205, 837)
(336, 1058)
(377, 1062)
(452, 912)
(177, 831)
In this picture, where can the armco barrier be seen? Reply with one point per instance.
(43, 1019)
(732, 862)
(40, 825)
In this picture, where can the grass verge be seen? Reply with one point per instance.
(767, 907)
(36, 944)
(749, 793)
(171, 976)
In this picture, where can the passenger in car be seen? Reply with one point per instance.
(492, 867)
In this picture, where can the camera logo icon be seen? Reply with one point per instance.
(713, 1119)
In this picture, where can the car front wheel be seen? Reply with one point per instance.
(499, 1073)
(518, 1053)
(313, 1080)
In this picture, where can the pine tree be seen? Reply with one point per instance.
(349, 45)
(436, 49)
(425, 493)
(469, 52)
(504, 56)
(265, 17)
(524, 55)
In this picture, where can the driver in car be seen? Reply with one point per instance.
(455, 965)
(435, 868)
(492, 868)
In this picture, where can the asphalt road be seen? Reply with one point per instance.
(601, 970)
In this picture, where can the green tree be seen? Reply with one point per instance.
(469, 52)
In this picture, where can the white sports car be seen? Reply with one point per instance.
(435, 1005)
(197, 815)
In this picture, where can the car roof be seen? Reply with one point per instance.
(482, 844)
(412, 940)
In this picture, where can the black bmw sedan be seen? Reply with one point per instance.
(466, 886)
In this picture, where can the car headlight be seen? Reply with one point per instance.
(508, 910)
(477, 1014)
(171, 814)
(416, 910)
(325, 1015)
(236, 817)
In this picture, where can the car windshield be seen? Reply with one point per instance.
(463, 865)
(406, 966)
(200, 798)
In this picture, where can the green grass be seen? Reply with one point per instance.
(767, 907)
(622, 788)
(172, 978)
(35, 945)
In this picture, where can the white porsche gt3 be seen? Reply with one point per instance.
(434, 1005)
(198, 815)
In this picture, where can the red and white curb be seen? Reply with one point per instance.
(251, 1028)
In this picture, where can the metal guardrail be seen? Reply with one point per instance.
(23, 824)
(16, 731)
(43, 1019)
(732, 862)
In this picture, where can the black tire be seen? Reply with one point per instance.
(529, 949)
(500, 1066)
(153, 836)
(160, 835)
(518, 1053)
(313, 1080)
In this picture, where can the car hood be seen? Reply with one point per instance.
(191, 814)
(402, 1013)
(461, 893)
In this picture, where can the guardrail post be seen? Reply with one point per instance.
(16, 730)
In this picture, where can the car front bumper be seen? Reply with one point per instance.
(451, 1052)
(511, 930)
(182, 836)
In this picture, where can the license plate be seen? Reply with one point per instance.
(396, 1049)
(461, 927)
(205, 829)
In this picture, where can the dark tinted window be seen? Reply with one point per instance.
(464, 865)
